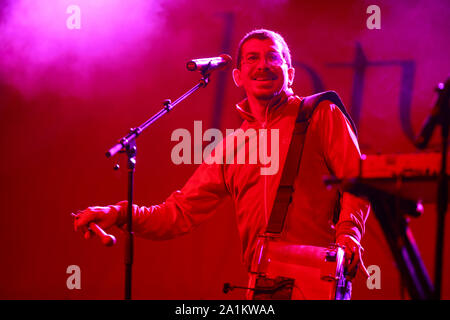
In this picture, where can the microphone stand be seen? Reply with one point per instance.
(127, 145)
(442, 197)
(440, 115)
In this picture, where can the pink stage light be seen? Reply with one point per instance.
(72, 37)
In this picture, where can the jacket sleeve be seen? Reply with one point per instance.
(183, 210)
(342, 156)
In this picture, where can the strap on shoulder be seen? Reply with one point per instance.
(292, 163)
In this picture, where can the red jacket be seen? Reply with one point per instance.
(331, 148)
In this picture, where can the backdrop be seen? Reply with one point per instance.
(75, 75)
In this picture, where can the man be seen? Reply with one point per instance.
(264, 70)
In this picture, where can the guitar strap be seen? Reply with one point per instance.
(292, 163)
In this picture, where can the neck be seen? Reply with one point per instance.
(258, 107)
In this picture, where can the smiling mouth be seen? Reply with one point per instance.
(263, 78)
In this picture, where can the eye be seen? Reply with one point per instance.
(274, 58)
(251, 58)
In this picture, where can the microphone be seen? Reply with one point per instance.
(207, 65)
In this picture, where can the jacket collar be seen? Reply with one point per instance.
(276, 102)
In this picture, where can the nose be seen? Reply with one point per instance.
(262, 63)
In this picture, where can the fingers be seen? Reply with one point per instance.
(351, 258)
(352, 262)
(91, 214)
(83, 218)
(87, 234)
(92, 219)
(352, 255)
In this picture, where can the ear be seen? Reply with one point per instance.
(291, 75)
(237, 77)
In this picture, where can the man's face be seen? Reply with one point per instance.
(264, 73)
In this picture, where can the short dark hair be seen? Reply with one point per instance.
(263, 34)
